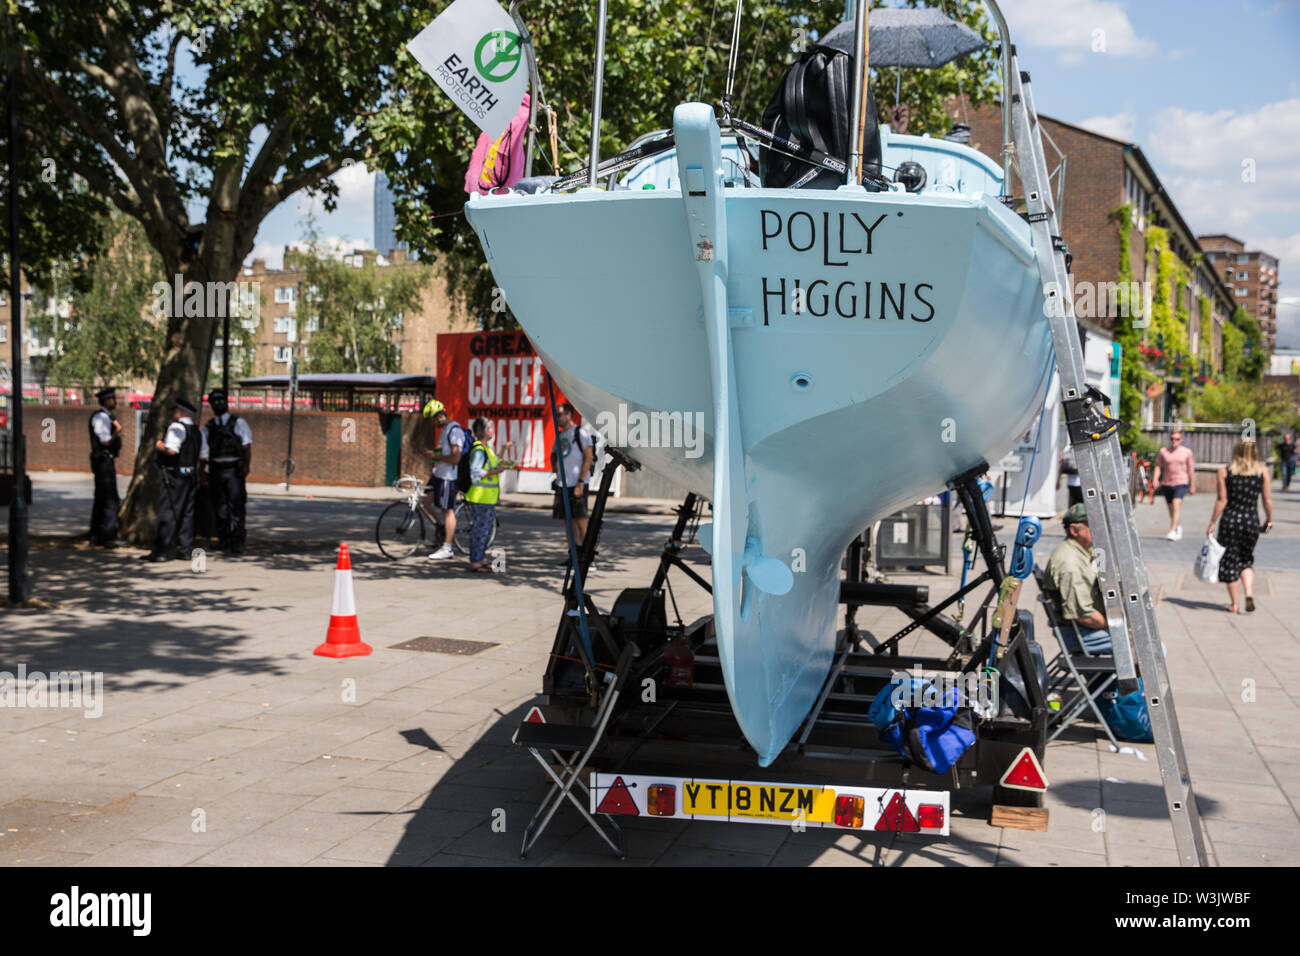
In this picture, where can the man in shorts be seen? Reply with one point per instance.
(1175, 476)
(446, 461)
(576, 448)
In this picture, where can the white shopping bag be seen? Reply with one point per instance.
(1207, 562)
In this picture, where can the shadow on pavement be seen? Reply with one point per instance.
(142, 641)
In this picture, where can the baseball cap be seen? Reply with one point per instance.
(1075, 514)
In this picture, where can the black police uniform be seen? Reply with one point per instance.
(176, 505)
(103, 459)
(226, 476)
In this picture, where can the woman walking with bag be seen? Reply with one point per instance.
(1241, 485)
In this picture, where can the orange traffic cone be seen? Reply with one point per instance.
(343, 639)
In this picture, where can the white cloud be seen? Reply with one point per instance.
(273, 253)
(1237, 172)
(1078, 28)
(1119, 125)
(355, 200)
(1224, 139)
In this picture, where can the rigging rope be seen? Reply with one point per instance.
(753, 59)
(708, 41)
(734, 54)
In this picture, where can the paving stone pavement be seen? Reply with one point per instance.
(224, 741)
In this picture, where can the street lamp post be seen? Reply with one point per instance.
(19, 585)
(293, 384)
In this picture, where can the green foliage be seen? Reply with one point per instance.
(1249, 366)
(1206, 331)
(360, 309)
(107, 338)
(1269, 405)
(1126, 336)
(1143, 445)
(659, 53)
(1169, 318)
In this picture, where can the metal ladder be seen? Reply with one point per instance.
(1094, 435)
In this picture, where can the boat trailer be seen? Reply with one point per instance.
(674, 716)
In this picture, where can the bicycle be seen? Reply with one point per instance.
(400, 531)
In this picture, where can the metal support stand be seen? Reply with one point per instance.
(568, 639)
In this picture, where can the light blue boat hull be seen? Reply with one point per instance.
(833, 406)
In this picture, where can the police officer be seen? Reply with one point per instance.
(230, 444)
(179, 454)
(105, 444)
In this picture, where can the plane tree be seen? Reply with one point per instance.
(198, 119)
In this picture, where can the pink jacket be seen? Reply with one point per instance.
(499, 162)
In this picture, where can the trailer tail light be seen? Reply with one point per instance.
(930, 816)
(661, 800)
(848, 811)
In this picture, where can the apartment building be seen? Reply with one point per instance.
(1102, 173)
(1251, 277)
(283, 324)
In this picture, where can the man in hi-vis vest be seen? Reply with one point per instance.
(485, 490)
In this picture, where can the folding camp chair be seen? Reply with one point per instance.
(571, 747)
(1078, 676)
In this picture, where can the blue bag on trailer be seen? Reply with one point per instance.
(933, 737)
(1127, 715)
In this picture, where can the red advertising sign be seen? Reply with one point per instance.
(496, 375)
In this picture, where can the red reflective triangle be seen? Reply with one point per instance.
(535, 716)
(898, 817)
(618, 800)
(1025, 773)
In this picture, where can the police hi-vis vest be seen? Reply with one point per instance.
(487, 490)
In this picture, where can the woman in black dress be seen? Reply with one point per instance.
(1241, 485)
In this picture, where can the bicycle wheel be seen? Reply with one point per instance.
(465, 522)
(399, 531)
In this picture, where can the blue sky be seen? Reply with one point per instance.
(1200, 86)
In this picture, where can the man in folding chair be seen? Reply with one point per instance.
(571, 747)
(1071, 598)
(1078, 677)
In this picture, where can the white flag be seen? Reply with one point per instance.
(474, 52)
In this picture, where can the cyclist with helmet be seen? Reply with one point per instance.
(452, 443)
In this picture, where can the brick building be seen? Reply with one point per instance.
(1101, 174)
(1251, 277)
(37, 348)
(283, 321)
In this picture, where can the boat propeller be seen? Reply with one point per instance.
(770, 575)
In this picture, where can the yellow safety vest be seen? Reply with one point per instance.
(487, 490)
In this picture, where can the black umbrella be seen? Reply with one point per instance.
(919, 38)
(903, 37)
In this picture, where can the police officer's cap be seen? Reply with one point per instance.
(216, 393)
(107, 391)
(185, 406)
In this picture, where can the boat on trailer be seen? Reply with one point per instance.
(847, 351)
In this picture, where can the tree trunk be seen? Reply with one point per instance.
(183, 374)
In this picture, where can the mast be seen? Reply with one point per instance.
(861, 52)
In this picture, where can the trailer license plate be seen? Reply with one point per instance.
(720, 799)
